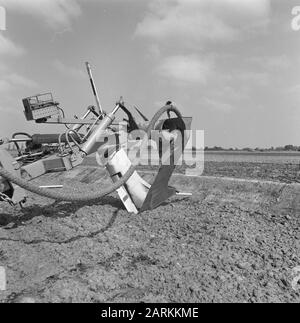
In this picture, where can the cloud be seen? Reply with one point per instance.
(295, 89)
(218, 105)
(9, 48)
(5, 86)
(55, 13)
(272, 63)
(225, 92)
(10, 81)
(188, 69)
(183, 32)
(199, 21)
(19, 80)
(257, 78)
(68, 70)
(294, 93)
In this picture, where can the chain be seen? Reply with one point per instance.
(5, 198)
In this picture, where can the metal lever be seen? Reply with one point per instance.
(89, 70)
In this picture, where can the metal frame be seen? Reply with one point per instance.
(136, 194)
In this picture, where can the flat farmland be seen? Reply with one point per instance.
(232, 241)
(278, 166)
(254, 157)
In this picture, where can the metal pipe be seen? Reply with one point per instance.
(68, 121)
(90, 128)
(89, 70)
(115, 110)
(20, 140)
(95, 139)
(77, 126)
(52, 186)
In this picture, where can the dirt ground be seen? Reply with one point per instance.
(230, 242)
(283, 173)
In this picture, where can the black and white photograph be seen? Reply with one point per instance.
(149, 154)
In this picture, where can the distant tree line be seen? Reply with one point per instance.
(284, 148)
(12, 147)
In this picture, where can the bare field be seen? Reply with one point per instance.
(254, 157)
(272, 166)
(231, 242)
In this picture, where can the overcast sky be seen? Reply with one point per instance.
(233, 65)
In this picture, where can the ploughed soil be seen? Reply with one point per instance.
(284, 173)
(232, 241)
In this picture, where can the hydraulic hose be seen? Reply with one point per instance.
(87, 197)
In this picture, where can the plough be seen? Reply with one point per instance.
(95, 132)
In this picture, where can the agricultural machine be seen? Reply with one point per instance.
(95, 132)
